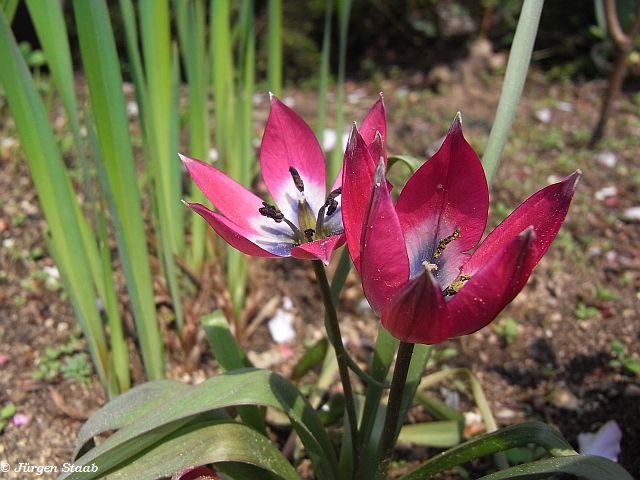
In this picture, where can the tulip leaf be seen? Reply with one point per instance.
(431, 434)
(499, 441)
(243, 387)
(411, 162)
(373, 410)
(204, 442)
(229, 354)
(589, 467)
(312, 357)
(127, 407)
(437, 408)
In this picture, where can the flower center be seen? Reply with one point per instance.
(459, 282)
(310, 227)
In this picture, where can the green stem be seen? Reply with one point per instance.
(333, 331)
(390, 429)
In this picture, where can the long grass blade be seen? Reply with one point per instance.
(274, 47)
(56, 195)
(49, 23)
(97, 46)
(514, 78)
(191, 21)
(344, 11)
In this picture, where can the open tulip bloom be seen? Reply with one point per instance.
(305, 222)
(413, 257)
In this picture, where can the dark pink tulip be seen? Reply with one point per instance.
(414, 258)
(196, 473)
(305, 221)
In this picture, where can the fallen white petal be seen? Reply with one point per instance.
(604, 443)
(544, 115)
(281, 324)
(606, 192)
(632, 213)
(607, 158)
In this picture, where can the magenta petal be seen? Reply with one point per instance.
(545, 210)
(417, 312)
(289, 142)
(242, 239)
(448, 191)
(318, 249)
(375, 121)
(384, 265)
(234, 201)
(358, 169)
(196, 473)
(494, 285)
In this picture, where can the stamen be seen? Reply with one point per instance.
(457, 284)
(446, 241)
(275, 214)
(331, 204)
(297, 179)
(309, 233)
(271, 212)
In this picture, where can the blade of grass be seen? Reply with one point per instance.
(161, 141)
(192, 32)
(49, 23)
(344, 10)
(97, 46)
(514, 79)
(9, 7)
(119, 350)
(274, 47)
(228, 141)
(57, 198)
(323, 79)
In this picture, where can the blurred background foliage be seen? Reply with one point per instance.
(414, 36)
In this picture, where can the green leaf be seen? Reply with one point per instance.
(8, 411)
(245, 387)
(230, 357)
(438, 409)
(515, 76)
(311, 358)
(490, 443)
(127, 407)
(589, 467)
(102, 69)
(56, 196)
(432, 434)
(205, 442)
(411, 162)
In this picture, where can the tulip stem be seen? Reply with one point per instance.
(394, 405)
(335, 337)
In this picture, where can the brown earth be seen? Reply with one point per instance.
(556, 363)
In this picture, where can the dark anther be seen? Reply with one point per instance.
(271, 212)
(331, 204)
(296, 179)
(309, 233)
(446, 241)
(457, 284)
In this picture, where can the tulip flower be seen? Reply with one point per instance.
(414, 257)
(305, 221)
(196, 473)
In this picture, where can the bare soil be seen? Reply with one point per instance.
(555, 366)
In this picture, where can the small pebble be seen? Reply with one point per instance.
(544, 115)
(607, 158)
(632, 213)
(606, 192)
